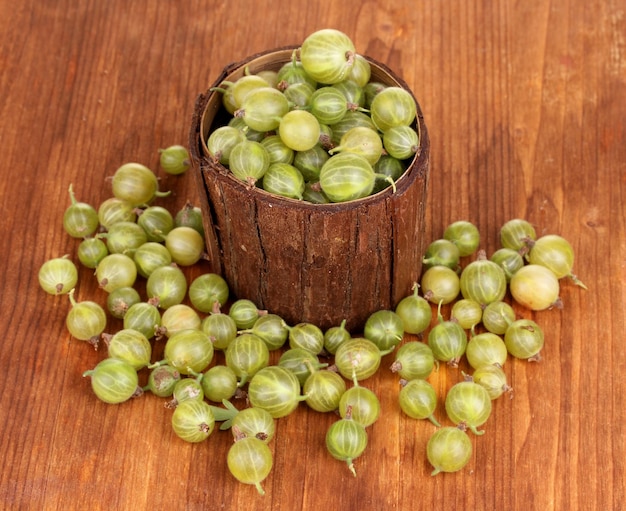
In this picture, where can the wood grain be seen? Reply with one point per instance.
(525, 104)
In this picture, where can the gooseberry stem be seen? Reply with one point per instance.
(71, 192)
(432, 419)
(577, 281)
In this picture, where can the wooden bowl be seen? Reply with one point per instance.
(318, 263)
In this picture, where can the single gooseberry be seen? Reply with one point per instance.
(131, 346)
(120, 300)
(86, 320)
(486, 348)
(466, 312)
(468, 404)
(175, 159)
(346, 440)
(323, 390)
(384, 328)
(536, 287)
(414, 360)
(447, 340)
(193, 420)
(327, 55)
(250, 461)
(483, 281)
(114, 381)
(415, 312)
(136, 184)
(58, 275)
(276, 390)
(440, 284)
(555, 253)
(80, 219)
(115, 271)
(516, 234)
(418, 400)
(448, 449)
(524, 339)
(166, 286)
(464, 235)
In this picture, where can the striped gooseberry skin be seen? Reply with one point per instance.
(248, 161)
(415, 312)
(131, 346)
(300, 362)
(345, 177)
(249, 460)
(246, 355)
(307, 336)
(156, 221)
(278, 151)
(516, 234)
(449, 449)
(327, 55)
(276, 390)
(143, 317)
(393, 106)
(414, 359)
(468, 404)
(193, 420)
(115, 271)
(553, 252)
(299, 130)
(358, 358)
(334, 336)
(150, 256)
(222, 140)
(219, 383)
(271, 328)
(114, 381)
(448, 341)
(536, 287)
(135, 183)
(467, 313)
(384, 328)
(86, 320)
(283, 179)
(440, 284)
(401, 142)
(166, 286)
(418, 400)
(509, 260)
(483, 281)
(346, 440)
(361, 403)
(254, 422)
(189, 351)
(493, 379)
(207, 289)
(524, 339)
(328, 105)
(486, 348)
(323, 390)
(497, 316)
(262, 108)
(363, 141)
(221, 328)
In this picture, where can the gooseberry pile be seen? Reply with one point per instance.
(319, 128)
(225, 361)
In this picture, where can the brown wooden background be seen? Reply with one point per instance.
(526, 108)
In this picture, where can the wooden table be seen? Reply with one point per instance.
(525, 104)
